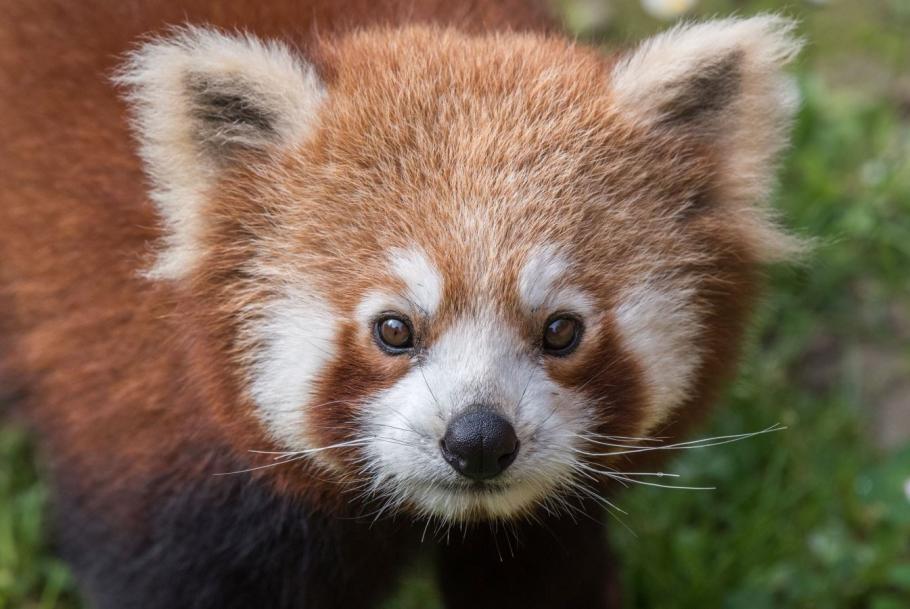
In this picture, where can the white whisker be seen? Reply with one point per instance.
(290, 456)
(703, 443)
(670, 486)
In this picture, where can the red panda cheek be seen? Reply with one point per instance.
(609, 378)
(358, 372)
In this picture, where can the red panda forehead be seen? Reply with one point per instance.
(411, 60)
(477, 164)
(431, 135)
(417, 100)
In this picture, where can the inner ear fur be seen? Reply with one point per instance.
(228, 115)
(697, 102)
(200, 100)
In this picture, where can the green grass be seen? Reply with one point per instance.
(815, 516)
(30, 576)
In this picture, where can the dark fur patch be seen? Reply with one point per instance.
(554, 562)
(360, 370)
(224, 542)
(705, 94)
(608, 377)
(227, 115)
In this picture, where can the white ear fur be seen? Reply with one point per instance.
(200, 97)
(722, 80)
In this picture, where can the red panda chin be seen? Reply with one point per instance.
(478, 503)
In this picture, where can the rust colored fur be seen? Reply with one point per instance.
(77, 226)
(137, 384)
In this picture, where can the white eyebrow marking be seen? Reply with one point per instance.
(378, 301)
(420, 276)
(541, 271)
(541, 283)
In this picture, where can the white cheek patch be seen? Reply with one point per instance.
(421, 278)
(661, 328)
(542, 284)
(295, 339)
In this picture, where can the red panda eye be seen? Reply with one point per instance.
(561, 335)
(394, 334)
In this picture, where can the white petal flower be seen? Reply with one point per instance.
(668, 9)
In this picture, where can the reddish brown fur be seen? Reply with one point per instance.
(81, 328)
(408, 185)
(89, 336)
(122, 374)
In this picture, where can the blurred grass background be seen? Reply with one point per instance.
(817, 516)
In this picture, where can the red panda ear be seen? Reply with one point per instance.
(201, 100)
(722, 82)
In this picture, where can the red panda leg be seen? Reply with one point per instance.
(556, 563)
(223, 543)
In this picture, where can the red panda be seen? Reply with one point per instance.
(305, 280)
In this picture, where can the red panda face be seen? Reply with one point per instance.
(456, 266)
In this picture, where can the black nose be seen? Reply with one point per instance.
(480, 444)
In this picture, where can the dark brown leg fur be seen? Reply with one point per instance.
(557, 564)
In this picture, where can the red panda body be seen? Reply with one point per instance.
(406, 265)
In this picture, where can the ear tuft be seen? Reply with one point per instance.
(200, 98)
(724, 83)
(695, 71)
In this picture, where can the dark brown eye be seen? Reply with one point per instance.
(561, 335)
(394, 334)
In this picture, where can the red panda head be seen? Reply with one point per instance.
(450, 267)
